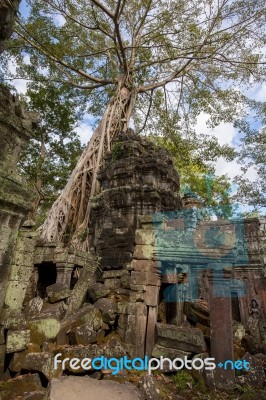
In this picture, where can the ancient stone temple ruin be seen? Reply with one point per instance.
(160, 279)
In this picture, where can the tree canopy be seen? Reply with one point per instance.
(121, 56)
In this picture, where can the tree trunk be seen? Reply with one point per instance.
(69, 216)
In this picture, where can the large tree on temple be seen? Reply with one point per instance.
(127, 58)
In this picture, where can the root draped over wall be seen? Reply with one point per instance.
(69, 216)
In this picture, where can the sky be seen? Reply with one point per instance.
(225, 132)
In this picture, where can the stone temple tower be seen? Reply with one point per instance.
(137, 178)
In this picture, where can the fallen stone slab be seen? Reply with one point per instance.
(98, 291)
(13, 319)
(108, 308)
(57, 292)
(85, 334)
(54, 310)
(38, 362)
(168, 352)
(190, 340)
(88, 315)
(43, 329)
(20, 386)
(85, 388)
(17, 340)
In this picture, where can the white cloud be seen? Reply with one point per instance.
(258, 92)
(19, 84)
(232, 169)
(59, 20)
(225, 132)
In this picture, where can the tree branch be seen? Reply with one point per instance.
(103, 8)
(48, 54)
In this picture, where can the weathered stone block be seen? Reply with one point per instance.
(23, 258)
(17, 340)
(147, 221)
(152, 295)
(144, 265)
(97, 291)
(14, 319)
(143, 252)
(112, 274)
(137, 296)
(88, 314)
(168, 352)
(17, 387)
(144, 236)
(57, 292)
(48, 254)
(108, 308)
(25, 243)
(60, 256)
(135, 334)
(15, 294)
(43, 330)
(86, 387)
(125, 280)
(148, 278)
(191, 340)
(55, 310)
(137, 308)
(122, 307)
(40, 361)
(38, 255)
(138, 288)
(85, 335)
(20, 273)
(112, 283)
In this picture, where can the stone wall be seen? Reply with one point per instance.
(15, 199)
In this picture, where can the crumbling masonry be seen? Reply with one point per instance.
(146, 285)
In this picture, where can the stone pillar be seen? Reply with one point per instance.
(64, 272)
(221, 326)
(21, 268)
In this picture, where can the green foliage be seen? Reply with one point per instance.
(183, 58)
(252, 154)
(197, 173)
(182, 380)
(116, 150)
(53, 152)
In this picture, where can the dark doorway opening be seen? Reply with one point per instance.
(46, 277)
(167, 309)
(235, 307)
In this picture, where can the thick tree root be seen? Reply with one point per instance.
(69, 216)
